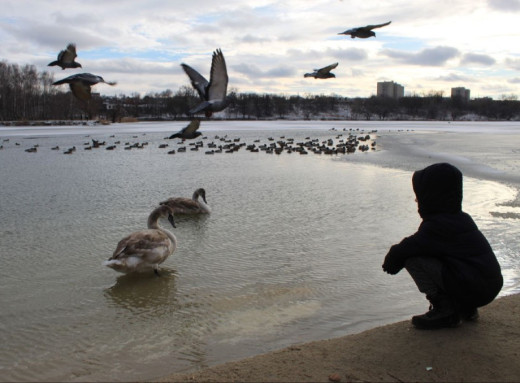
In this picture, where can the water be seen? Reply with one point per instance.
(291, 253)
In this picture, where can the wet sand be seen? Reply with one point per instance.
(487, 350)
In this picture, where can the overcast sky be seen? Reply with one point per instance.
(431, 45)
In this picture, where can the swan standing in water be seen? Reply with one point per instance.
(146, 249)
(182, 205)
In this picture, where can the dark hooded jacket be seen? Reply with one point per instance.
(471, 271)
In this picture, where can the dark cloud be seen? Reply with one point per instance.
(427, 57)
(475, 58)
(515, 80)
(505, 5)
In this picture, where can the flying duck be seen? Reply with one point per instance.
(213, 93)
(363, 32)
(322, 73)
(188, 132)
(80, 84)
(66, 58)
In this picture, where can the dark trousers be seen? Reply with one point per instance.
(427, 275)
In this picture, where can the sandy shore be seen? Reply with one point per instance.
(487, 350)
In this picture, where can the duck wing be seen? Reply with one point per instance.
(188, 131)
(68, 55)
(191, 128)
(92, 79)
(218, 81)
(327, 69)
(197, 80)
(81, 90)
(370, 27)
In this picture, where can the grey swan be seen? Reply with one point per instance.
(191, 206)
(146, 249)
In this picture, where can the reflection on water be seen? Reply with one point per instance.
(145, 293)
(292, 252)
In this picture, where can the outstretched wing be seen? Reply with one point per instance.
(327, 69)
(218, 80)
(66, 80)
(192, 127)
(68, 55)
(376, 26)
(81, 90)
(197, 80)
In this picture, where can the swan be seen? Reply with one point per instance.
(146, 249)
(183, 205)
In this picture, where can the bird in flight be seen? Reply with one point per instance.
(363, 32)
(213, 92)
(80, 84)
(189, 131)
(66, 58)
(322, 73)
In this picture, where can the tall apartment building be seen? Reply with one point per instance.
(461, 92)
(390, 89)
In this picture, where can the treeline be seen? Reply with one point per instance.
(26, 95)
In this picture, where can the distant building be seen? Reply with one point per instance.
(461, 93)
(390, 89)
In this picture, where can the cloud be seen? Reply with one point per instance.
(270, 45)
(347, 54)
(475, 58)
(513, 63)
(505, 5)
(252, 39)
(515, 80)
(252, 71)
(437, 56)
(454, 77)
(53, 35)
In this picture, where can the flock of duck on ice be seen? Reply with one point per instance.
(145, 250)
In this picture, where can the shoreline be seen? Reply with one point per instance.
(487, 350)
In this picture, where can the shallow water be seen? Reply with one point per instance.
(292, 251)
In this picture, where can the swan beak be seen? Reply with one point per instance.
(170, 218)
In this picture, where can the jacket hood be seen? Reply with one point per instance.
(438, 189)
